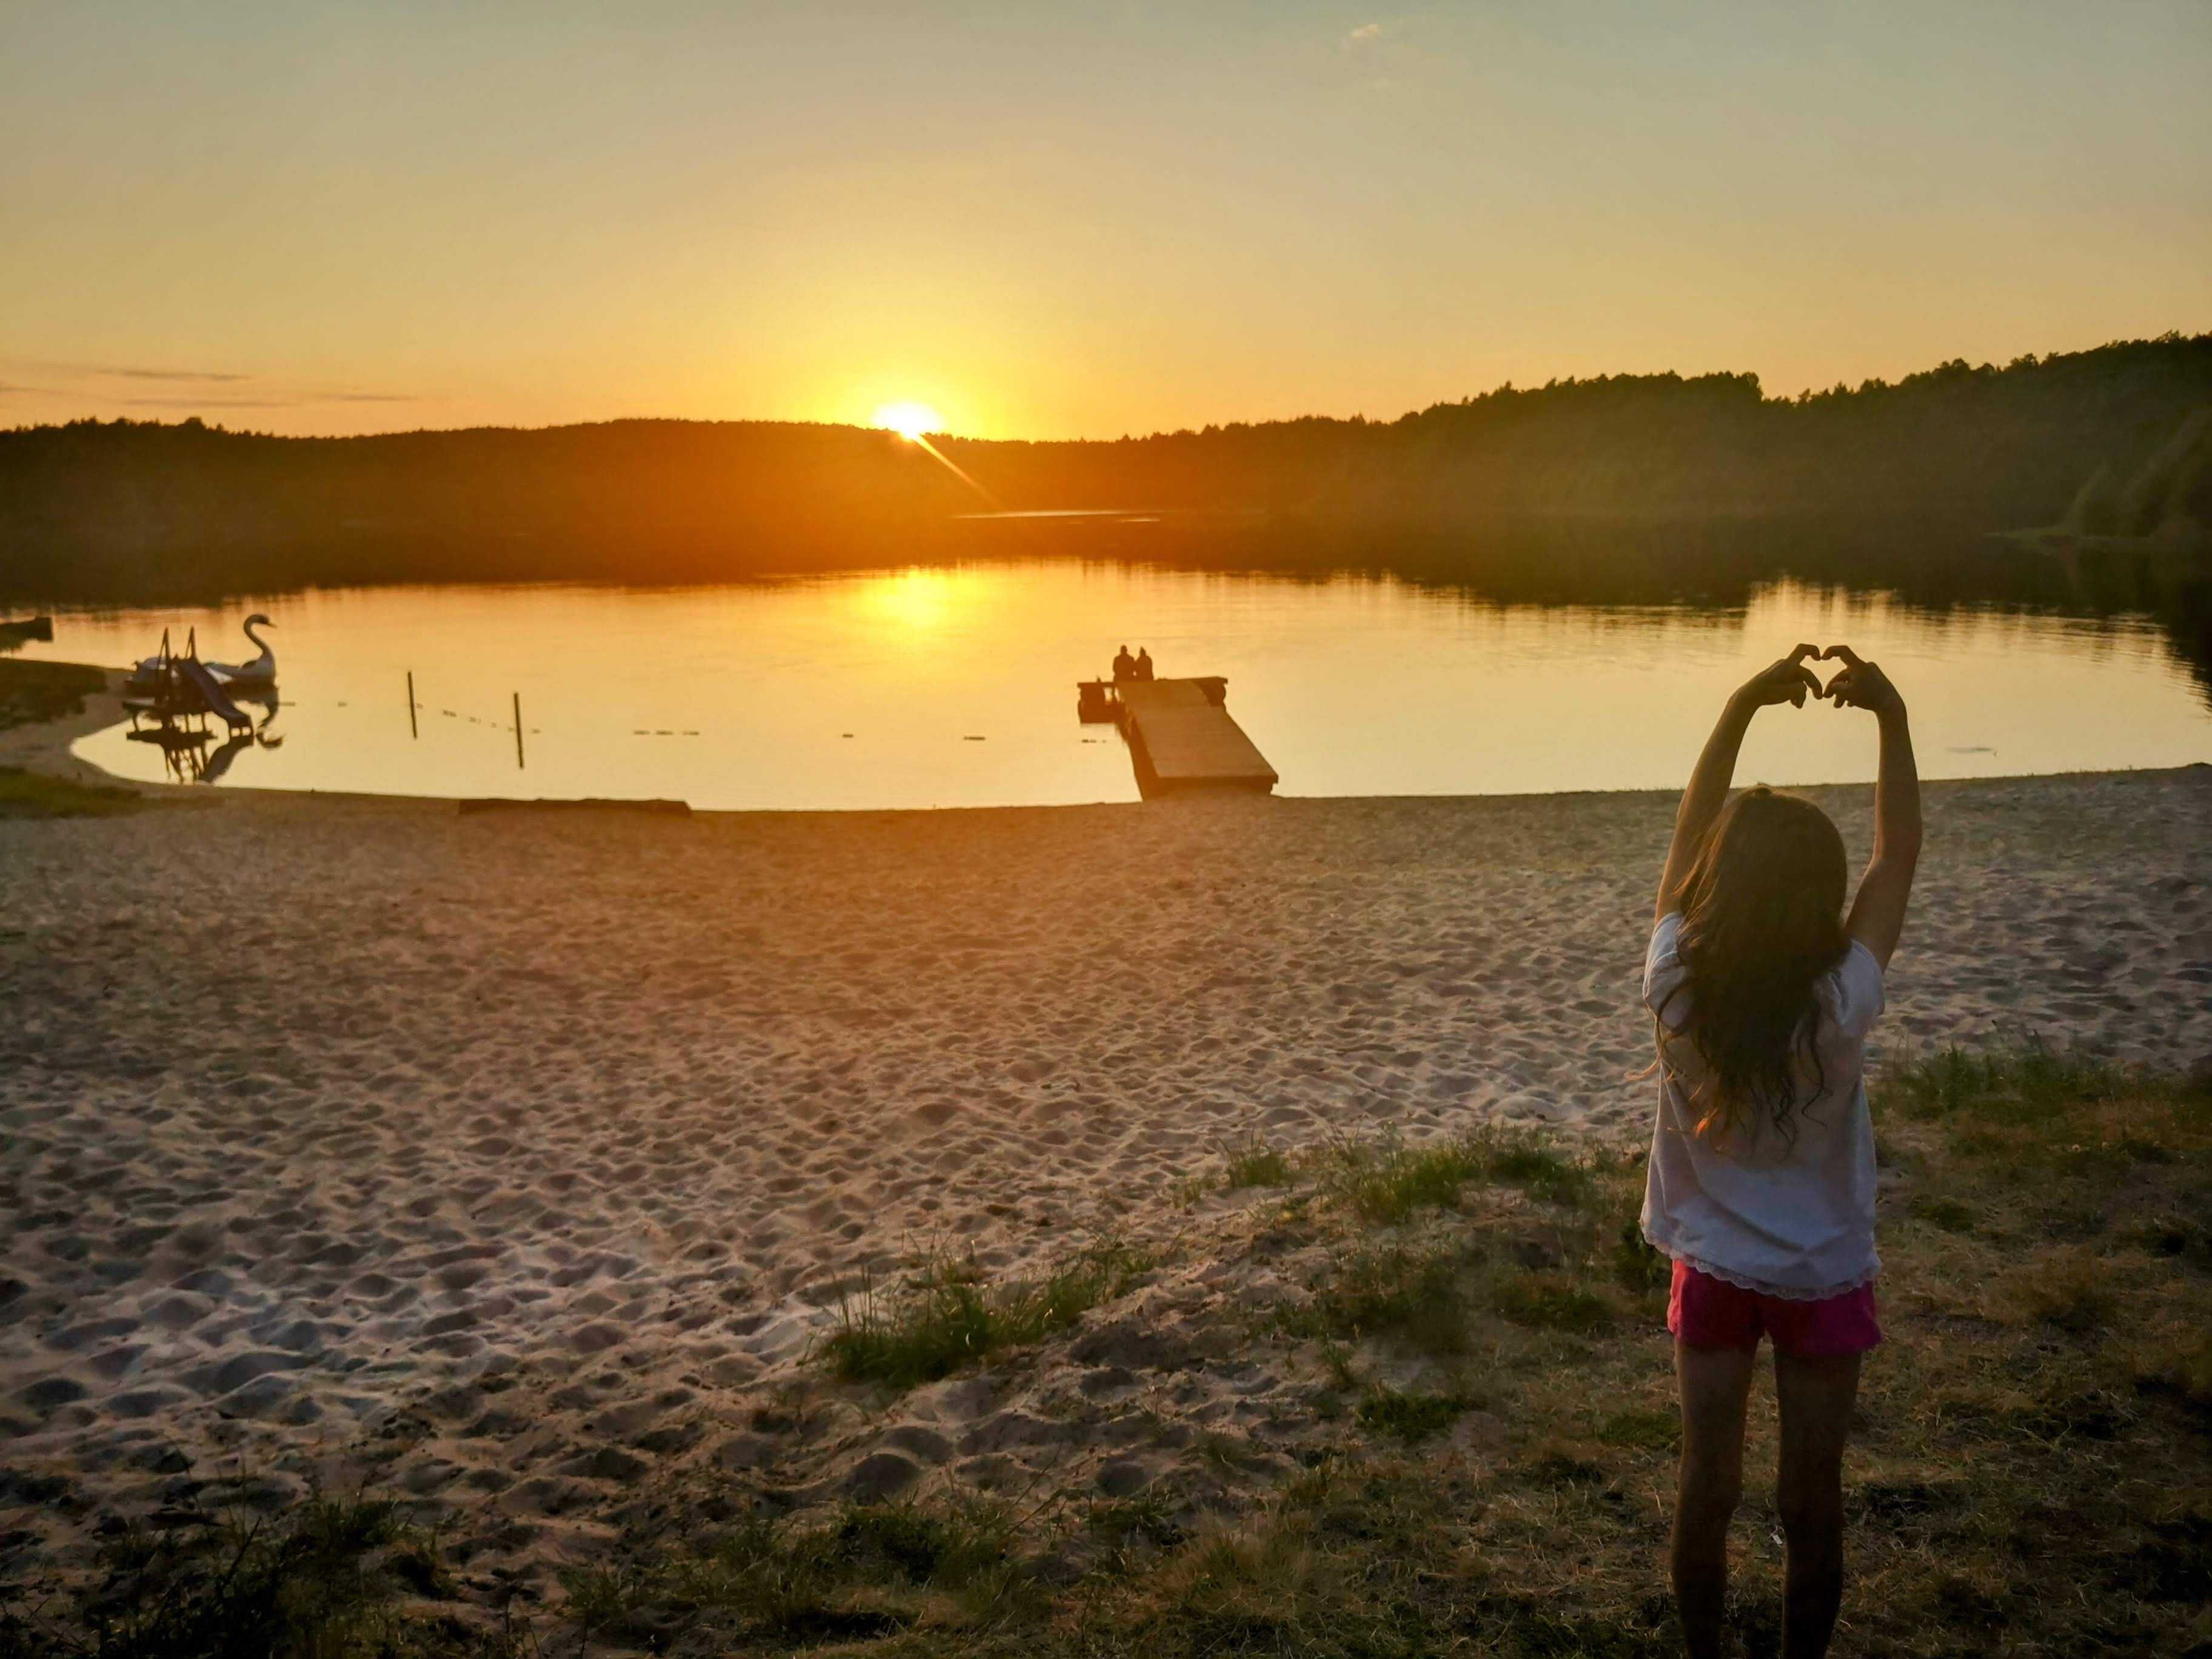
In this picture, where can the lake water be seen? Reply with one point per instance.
(955, 687)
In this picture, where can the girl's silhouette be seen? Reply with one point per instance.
(1761, 1183)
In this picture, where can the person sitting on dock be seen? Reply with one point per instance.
(1125, 665)
(1144, 668)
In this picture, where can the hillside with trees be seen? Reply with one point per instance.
(2113, 442)
(1977, 449)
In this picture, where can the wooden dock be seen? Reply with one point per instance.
(1182, 738)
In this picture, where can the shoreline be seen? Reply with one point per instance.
(44, 748)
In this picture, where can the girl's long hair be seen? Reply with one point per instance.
(1762, 921)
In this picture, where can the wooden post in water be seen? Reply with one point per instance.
(518, 731)
(412, 730)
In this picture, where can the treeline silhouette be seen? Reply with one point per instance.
(2102, 440)
(1970, 449)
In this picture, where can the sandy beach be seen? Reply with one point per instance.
(521, 1158)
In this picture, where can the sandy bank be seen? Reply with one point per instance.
(319, 1112)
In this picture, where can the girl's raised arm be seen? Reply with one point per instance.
(1878, 913)
(1786, 681)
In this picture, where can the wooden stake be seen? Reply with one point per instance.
(412, 730)
(518, 731)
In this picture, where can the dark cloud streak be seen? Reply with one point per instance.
(123, 371)
(208, 376)
(211, 402)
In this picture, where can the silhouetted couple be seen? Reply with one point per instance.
(1138, 667)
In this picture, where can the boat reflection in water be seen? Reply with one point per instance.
(189, 751)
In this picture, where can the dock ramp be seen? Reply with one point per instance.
(1182, 738)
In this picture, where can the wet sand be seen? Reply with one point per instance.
(533, 1151)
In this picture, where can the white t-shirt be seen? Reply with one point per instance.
(1786, 1215)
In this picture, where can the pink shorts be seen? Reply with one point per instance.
(1704, 1312)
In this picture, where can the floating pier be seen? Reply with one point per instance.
(1180, 734)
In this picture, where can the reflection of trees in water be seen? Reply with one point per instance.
(2155, 583)
(1929, 571)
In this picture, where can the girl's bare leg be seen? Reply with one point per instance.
(1816, 1396)
(1713, 1384)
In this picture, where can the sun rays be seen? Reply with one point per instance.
(915, 422)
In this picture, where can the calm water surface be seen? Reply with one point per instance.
(873, 690)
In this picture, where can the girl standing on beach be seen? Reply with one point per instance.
(1761, 1183)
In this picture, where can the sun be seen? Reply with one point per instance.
(909, 420)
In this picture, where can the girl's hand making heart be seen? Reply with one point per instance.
(1862, 684)
(1786, 681)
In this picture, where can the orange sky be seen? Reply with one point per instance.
(1066, 221)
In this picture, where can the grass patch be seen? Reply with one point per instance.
(1260, 1586)
(871, 1571)
(1416, 1298)
(1254, 1163)
(1126, 1524)
(1387, 1181)
(2179, 1366)
(1937, 1211)
(949, 1318)
(2032, 1085)
(1551, 1301)
(329, 1578)
(1410, 1417)
(1642, 1430)
(2073, 1294)
(34, 795)
(1633, 1264)
(33, 693)
(1542, 1170)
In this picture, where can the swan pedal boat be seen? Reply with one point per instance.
(246, 679)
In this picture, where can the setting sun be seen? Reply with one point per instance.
(909, 420)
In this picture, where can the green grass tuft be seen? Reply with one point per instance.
(1417, 1298)
(1540, 1169)
(949, 1320)
(1411, 1418)
(1633, 1264)
(1254, 1163)
(2027, 1087)
(1387, 1182)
